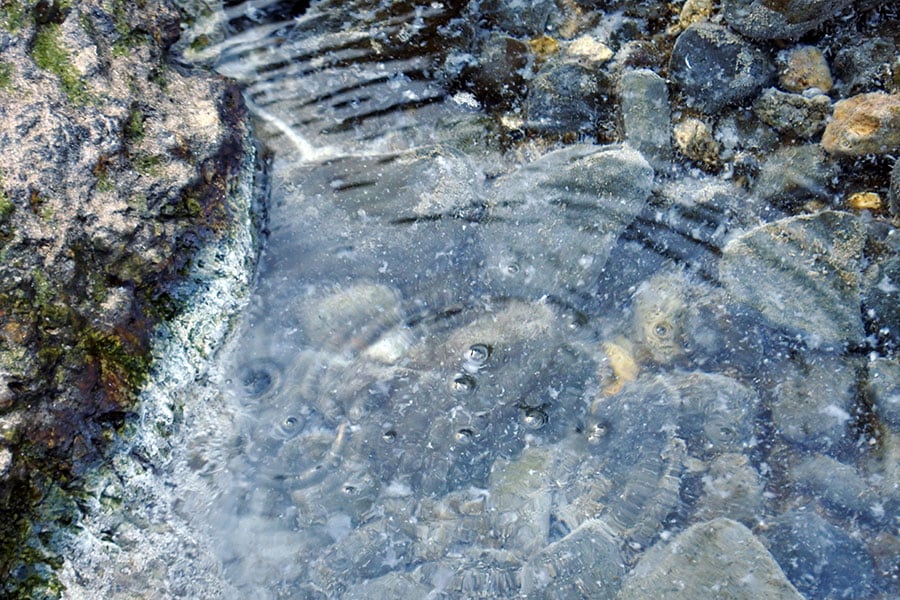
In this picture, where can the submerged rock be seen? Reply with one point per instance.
(767, 20)
(813, 401)
(802, 273)
(553, 223)
(799, 115)
(864, 124)
(567, 97)
(720, 555)
(803, 67)
(713, 67)
(645, 116)
(796, 174)
(820, 559)
(587, 562)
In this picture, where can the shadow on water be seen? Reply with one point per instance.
(470, 363)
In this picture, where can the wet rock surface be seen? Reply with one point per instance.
(720, 554)
(499, 329)
(116, 170)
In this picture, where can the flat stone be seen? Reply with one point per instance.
(644, 101)
(555, 220)
(822, 560)
(802, 273)
(779, 19)
(565, 97)
(864, 124)
(803, 67)
(713, 67)
(792, 175)
(720, 557)
(585, 563)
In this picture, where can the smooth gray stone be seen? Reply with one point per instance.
(566, 97)
(644, 99)
(553, 222)
(719, 558)
(822, 560)
(813, 403)
(713, 67)
(794, 174)
(837, 485)
(884, 390)
(802, 273)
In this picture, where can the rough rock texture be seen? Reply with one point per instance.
(780, 19)
(117, 169)
(803, 67)
(864, 124)
(713, 67)
(802, 273)
(801, 116)
(719, 556)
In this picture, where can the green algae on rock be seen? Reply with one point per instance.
(93, 262)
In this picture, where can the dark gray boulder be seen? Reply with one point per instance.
(713, 67)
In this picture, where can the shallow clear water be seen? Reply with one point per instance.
(462, 351)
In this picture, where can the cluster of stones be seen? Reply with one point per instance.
(736, 89)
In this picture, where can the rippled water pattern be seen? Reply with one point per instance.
(462, 366)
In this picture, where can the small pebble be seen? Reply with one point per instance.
(589, 49)
(693, 11)
(864, 201)
(695, 140)
(802, 68)
(5, 461)
(864, 124)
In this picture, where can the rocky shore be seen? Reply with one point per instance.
(126, 237)
(753, 144)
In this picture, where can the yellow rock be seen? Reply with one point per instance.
(623, 364)
(802, 68)
(864, 124)
(544, 46)
(693, 11)
(864, 201)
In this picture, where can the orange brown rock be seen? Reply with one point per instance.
(802, 68)
(864, 124)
